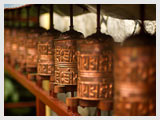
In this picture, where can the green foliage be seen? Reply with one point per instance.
(10, 93)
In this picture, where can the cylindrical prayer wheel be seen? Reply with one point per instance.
(65, 58)
(15, 38)
(32, 44)
(95, 67)
(22, 47)
(135, 76)
(14, 45)
(31, 48)
(8, 36)
(21, 38)
(7, 42)
(46, 53)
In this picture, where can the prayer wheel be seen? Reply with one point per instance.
(31, 48)
(22, 47)
(46, 53)
(7, 31)
(32, 45)
(14, 42)
(65, 56)
(95, 68)
(22, 37)
(7, 42)
(135, 76)
(14, 46)
(7, 36)
(46, 49)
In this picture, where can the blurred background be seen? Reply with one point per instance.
(119, 21)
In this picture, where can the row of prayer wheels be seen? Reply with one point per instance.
(107, 75)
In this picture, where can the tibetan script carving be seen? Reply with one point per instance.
(95, 67)
(65, 62)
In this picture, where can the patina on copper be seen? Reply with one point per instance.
(135, 76)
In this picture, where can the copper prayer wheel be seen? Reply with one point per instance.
(95, 67)
(46, 53)
(65, 55)
(6, 33)
(45, 65)
(21, 39)
(14, 46)
(22, 47)
(7, 36)
(7, 42)
(14, 42)
(32, 45)
(31, 48)
(65, 58)
(135, 76)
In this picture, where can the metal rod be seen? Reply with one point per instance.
(14, 18)
(38, 14)
(10, 18)
(71, 17)
(51, 16)
(142, 14)
(27, 22)
(19, 14)
(98, 18)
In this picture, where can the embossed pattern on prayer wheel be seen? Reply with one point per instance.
(65, 58)
(135, 77)
(95, 67)
(46, 53)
